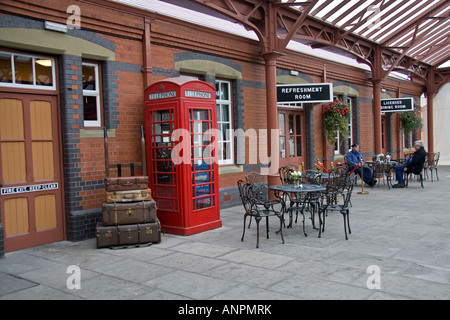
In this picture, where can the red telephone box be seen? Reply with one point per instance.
(182, 165)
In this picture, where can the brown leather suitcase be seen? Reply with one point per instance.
(107, 236)
(150, 232)
(128, 234)
(126, 183)
(128, 196)
(128, 213)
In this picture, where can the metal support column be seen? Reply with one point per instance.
(377, 114)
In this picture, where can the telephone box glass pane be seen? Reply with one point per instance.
(202, 158)
(164, 172)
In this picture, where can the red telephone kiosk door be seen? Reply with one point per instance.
(182, 158)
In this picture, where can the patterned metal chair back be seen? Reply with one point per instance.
(244, 193)
(259, 191)
(285, 173)
(311, 176)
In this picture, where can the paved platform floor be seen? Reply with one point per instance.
(403, 233)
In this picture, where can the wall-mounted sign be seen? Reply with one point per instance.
(32, 188)
(305, 93)
(162, 95)
(197, 94)
(397, 105)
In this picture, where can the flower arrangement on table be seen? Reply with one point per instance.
(296, 176)
(411, 121)
(335, 119)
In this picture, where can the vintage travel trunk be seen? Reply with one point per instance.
(107, 236)
(126, 183)
(150, 232)
(128, 196)
(128, 234)
(128, 213)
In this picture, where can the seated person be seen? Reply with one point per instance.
(354, 157)
(413, 165)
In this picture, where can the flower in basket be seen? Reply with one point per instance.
(411, 121)
(380, 156)
(335, 118)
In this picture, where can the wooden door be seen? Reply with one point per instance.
(30, 171)
(292, 137)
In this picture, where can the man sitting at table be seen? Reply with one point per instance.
(414, 164)
(354, 158)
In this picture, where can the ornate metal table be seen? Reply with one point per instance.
(305, 197)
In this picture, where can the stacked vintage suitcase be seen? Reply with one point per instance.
(129, 213)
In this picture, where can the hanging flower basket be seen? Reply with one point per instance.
(411, 121)
(335, 119)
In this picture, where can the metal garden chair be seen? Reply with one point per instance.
(254, 208)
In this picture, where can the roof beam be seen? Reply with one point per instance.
(412, 25)
(301, 25)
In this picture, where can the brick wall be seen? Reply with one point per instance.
(123, 101)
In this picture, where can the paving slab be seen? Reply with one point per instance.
(402, 232)
(10, 283)
(190, 285)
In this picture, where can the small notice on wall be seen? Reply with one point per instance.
(397, 105)
(31, 188)
(305, 93)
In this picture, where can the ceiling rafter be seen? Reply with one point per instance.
(429, 13)
(306, 22)
(415, 39)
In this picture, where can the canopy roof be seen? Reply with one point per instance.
(421, 29)
(407, 36)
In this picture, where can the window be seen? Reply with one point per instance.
(291, 105)
(26, 71)
(290, 127)
(350, 124)
(224, 122)
(91, 95)
(338, 134)
(349, 138)
(407, 140)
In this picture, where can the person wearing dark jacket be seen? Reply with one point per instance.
(413, 165)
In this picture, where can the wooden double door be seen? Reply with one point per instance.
(30, 171)
(292, 136)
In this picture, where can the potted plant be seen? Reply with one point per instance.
(335, 119)
(411, 121)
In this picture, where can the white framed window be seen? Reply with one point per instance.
(291, 105)
(349, 138)
(407, 139)
(224, 122)
(91, 95)
(350, 124)
(338, 135)
(27, 71)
